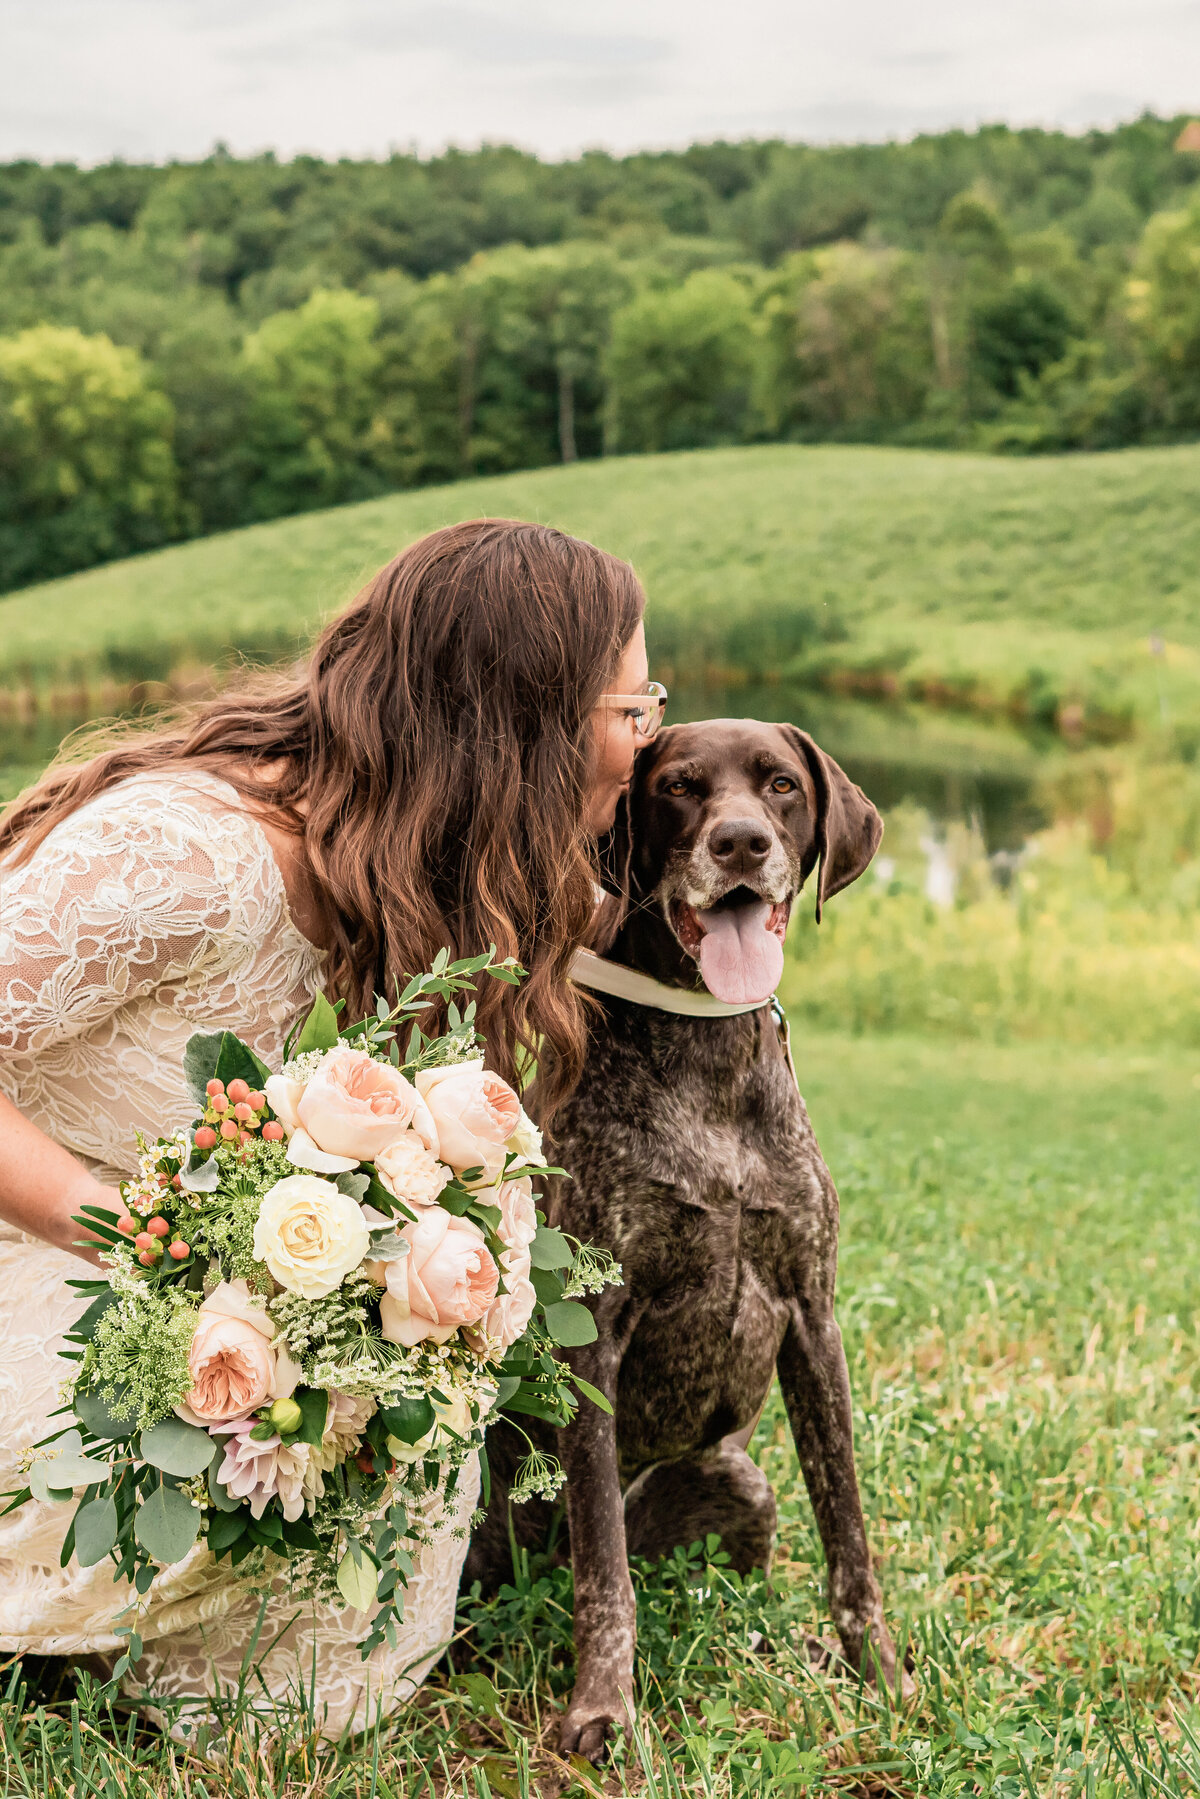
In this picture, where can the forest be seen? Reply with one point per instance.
(189, 348)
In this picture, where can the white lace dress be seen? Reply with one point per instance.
(156, 910)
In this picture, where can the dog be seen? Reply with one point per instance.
(694, 1163)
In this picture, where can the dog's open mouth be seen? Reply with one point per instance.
(738, 943)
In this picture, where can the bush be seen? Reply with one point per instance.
(86, 465)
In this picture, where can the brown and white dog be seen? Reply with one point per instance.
(694, 1162)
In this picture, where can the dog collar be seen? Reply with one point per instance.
(620, 982)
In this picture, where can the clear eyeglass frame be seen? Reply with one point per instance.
(645, 709)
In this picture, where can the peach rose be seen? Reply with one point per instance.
(475, 1113)
(356, 1107)
(510, 1311)
(233, 1367)
(447, 1279)
(410, 1172)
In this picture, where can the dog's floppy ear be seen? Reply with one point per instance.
(612, 901)
(848, 826)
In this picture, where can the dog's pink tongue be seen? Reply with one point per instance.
(741, 960)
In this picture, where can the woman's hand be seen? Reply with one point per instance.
(43, 1187)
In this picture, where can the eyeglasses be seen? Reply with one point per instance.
(645, 710)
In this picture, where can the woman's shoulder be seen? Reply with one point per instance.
(182, 819)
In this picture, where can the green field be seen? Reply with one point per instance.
(1018, 1300)
(1005, 1082)
(975, 581)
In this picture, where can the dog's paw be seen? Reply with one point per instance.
(588, 1726)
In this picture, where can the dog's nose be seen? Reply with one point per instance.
(739, 844)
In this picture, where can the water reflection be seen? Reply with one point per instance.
(952, 767)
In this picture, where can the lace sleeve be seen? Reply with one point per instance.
(136, 888)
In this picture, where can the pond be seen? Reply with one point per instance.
(951, 765)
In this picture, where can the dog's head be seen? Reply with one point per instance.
(725, 821)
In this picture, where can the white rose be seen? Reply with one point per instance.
(309, 1235)
(283, 1097)
(410, 1171)
(526, 1142)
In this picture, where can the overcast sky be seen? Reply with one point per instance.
(89, 79)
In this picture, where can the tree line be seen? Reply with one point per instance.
(188, 348)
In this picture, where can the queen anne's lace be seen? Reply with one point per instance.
(156, 910)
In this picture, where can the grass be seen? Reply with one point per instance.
(1027, 586)
(1018, 1302)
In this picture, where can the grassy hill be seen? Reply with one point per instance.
(1026, 586)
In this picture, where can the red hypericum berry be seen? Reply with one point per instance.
(238, 1091)
(245, 1137)
(257, 1100)
(176, 1182)
(272, 1132)
(164, 1180)
(127, 1225)
(144, 1240)
(214, 1087)
(147, 1258)
(219, 1104)
(180, 1251)
(365, 1461)
(206, 1137)
(243, 1112)
(158, 1227)
(229, 1130)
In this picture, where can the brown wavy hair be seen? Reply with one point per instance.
(433, 766)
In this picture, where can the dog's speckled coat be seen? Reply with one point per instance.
(694, 1163)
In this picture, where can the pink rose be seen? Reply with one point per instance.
(410, 1172)
(475, 1113)
(510, 1311)
(233, 1367)
(357, 1107)
(446, 1279)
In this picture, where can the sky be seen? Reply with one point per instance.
(151, 79)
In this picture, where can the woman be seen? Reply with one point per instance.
(438, 776)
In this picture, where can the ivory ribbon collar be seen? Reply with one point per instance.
(620, 982)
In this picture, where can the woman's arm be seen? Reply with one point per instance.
(43, 1186)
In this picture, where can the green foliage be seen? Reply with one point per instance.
(321, 333)
(138, 1359)
(86, 468)
(313, 380)
(848, 344)
(1164, 310)
(680, 365)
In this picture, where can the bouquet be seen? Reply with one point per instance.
(316, 1295)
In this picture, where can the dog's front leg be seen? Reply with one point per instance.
(816, 1390)
(605, 1611)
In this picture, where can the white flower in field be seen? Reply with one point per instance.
(310, 1235)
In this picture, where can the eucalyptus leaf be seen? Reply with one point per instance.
(357, 1578)
(85, 1324)
(408, 1419)
(177, 1448)
(550, 1249)
(95, 1531)
(570, 1324)
(167, 1525)
(95, 1414)
(509, 1384)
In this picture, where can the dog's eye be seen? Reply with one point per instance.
(676, 789)
(783, 784)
